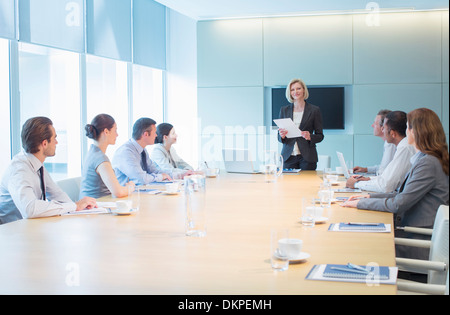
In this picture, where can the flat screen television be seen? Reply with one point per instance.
(330, 100)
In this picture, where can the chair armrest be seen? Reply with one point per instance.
(421, 264)
(412, 242)
(410, 286)
(416, 230)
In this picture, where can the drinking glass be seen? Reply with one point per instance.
(325, 195)
(278, 259)
(195, 205)
(308, 212)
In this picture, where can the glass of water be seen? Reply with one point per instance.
(308, 212)
(278, 259)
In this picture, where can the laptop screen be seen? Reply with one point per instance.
(343, 165)
(238, 161)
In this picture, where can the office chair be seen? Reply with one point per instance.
(71, 186)
(437, 265)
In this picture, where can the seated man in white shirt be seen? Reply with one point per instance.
(394, 129)
(132, 161)
(388, 149)
(26, 189)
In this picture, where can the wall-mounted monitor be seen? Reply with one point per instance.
(331, 101)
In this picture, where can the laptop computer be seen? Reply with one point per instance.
(343, 165)
(238, 161)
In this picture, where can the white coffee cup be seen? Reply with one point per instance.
(339, 170)
(172, 188)
(123, 205)
(212, 172)
(315, 212)
(291, 247)
(332, 178)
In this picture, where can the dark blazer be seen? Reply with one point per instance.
(312, 122)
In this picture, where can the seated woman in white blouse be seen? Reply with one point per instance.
(164, 153)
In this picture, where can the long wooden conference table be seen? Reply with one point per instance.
(148, 253)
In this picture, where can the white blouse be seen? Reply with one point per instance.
(297, 120)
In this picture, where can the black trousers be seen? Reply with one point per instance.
(297, 161)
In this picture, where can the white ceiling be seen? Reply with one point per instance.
(216, 9)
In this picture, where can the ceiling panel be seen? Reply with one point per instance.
(216, 9)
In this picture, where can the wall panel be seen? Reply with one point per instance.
(369, 99)
(403, 48)
(230, 53)
(317, 49)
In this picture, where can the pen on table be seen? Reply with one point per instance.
(353, 266)
(350, 270)
(359, 223)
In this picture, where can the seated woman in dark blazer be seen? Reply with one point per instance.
(425, 187)
(301, 152)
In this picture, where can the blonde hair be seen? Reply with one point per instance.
(429, 135)
(288, 89)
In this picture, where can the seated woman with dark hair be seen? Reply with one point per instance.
(98, 177)
(164, 153)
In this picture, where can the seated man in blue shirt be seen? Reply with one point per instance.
(132, 162)
(26, 189)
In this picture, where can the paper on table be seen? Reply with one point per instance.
(288, 124)
(336, 227)
(99, 210)
(317, 271)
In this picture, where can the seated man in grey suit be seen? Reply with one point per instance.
(26, 189)
(132, 162)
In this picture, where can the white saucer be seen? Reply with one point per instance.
(318, 220)
(335, 183)
(126, 212)
(171, 193)
(300, 257)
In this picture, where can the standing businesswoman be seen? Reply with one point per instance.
(301, 153)
(425, 187)
(98, 177)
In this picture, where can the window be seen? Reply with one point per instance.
(49, 86)
(5, 141)
(107, 93)
(147, 93)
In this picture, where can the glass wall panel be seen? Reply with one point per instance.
(107, 92)
(7, 19)
(50, 86)
(149, 33)
(55, 23)
(147, 93)
(109, 28)
(5, 141)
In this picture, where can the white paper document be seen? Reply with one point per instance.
(102, 208)
(317, 273)
(99, 210)
(288, 124)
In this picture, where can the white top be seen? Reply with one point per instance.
(388, 155)
(169, 161)
(394, 174)
(297, 120)
(21, 194)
